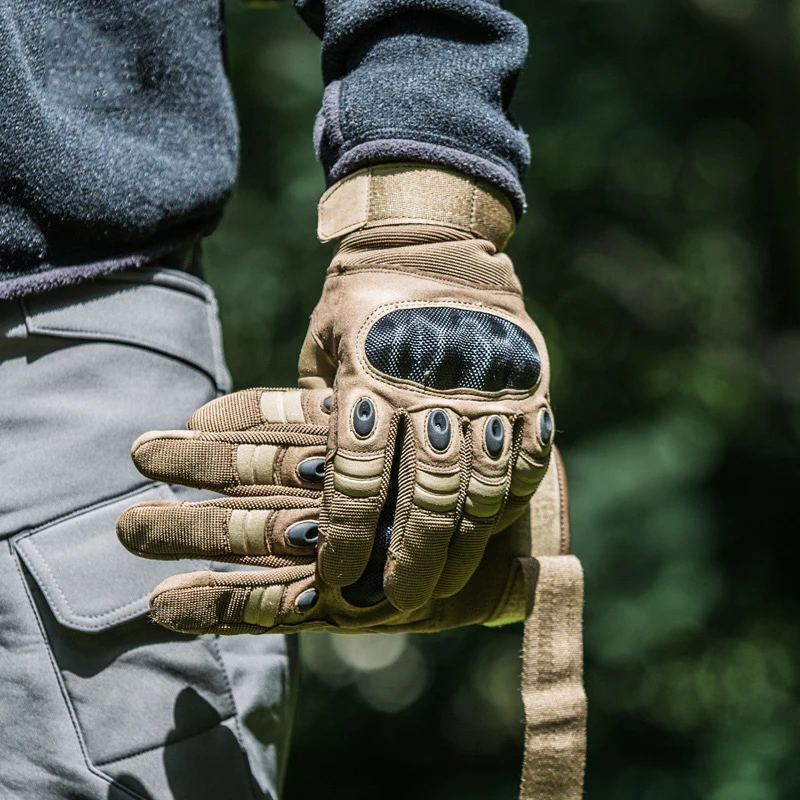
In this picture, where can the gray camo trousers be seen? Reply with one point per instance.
(96, 701)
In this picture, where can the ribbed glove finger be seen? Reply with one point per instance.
(234, 602)
(265, 409)
(243, 443)
(277, 530)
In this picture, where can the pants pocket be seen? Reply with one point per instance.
(153, 709)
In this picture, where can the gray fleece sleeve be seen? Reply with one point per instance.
(420, 80)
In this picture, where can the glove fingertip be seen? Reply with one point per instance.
(156, 436)
(181, 603)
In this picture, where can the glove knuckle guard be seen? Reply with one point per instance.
(452, 347)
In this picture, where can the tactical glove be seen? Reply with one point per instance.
(259, 446)
(440, 423)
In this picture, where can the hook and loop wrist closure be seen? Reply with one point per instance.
(415, 194)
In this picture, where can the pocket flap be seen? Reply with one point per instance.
(91, 582)
(167, 320)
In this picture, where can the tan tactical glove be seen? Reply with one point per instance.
(414, 472)
(436, 434)
(440, 404)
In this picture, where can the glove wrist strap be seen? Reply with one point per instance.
(403, 194)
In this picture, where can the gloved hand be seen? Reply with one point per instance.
(260, 447)
(440, 418)
(439, 425)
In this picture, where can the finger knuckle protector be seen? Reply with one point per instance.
(358, 477)
(484, 497)
(262, 606)
(436, 491)
(444, 347)
(255, 463)
(526, 476)
(282, 407)
(246, 531)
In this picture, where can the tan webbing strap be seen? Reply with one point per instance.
(426, 194)
(552, 680)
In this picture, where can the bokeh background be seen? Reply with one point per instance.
(660, 257)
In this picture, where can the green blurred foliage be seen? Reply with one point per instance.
(660, 257)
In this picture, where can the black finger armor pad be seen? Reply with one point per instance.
(439, 430)
(307, 600)
(303, 534)
(364, 417)
(312, 469)
(495, 436)
(545, 426)
(442, 347)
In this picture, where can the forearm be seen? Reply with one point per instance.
(420, 80)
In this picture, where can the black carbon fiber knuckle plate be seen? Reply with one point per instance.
(447, 347)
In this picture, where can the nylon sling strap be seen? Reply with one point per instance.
(552, 680)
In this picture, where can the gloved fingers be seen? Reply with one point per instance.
(467, 547)
(513, 509)
(233, 463)
(264, 409)
(273, 531)
(348, 533)
(530, 463)
(415, 562)
(461, 483)
(495, 443)
(235, 602)
(357, 483)
(431, 473)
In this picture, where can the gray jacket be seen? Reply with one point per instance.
(118, 133)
